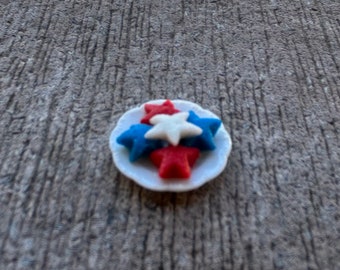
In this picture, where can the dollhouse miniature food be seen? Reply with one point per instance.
(175, 161)
(169, 145)
(172, 128)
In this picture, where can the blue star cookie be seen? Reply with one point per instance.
(133, 139)
(205, 140)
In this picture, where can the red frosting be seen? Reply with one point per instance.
(167, 107)
(175, 161)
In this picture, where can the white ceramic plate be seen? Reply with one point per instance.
(209, 165)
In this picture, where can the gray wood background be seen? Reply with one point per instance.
(69, 69)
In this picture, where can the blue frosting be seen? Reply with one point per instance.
(205, 140)
(134, 140)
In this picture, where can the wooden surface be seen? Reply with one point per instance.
(69, 69)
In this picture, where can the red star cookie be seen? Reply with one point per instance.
(151, 110)
(174, 161)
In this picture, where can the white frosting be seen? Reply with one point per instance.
(172, 128)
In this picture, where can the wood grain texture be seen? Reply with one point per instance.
(69, 69)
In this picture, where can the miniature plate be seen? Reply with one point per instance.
(209, 165)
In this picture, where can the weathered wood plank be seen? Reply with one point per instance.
(68, 71)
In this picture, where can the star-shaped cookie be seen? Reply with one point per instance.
(134, 140)
(205, 140)
(167, 107)
(172, 128)
(174, 161)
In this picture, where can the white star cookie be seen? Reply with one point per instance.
(172, 127)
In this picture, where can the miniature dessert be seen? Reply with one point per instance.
(170, 145)
(209, 127)
(134, 139)
(172, 127)
(175, 161)
(167, 107)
